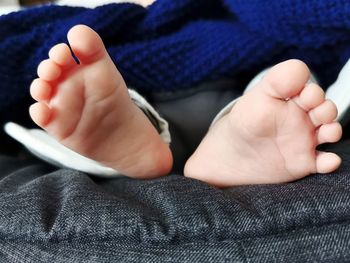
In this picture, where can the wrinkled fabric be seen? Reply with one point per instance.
(177, 44)
(59, 215)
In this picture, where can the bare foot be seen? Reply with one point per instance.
(271, 134)
(87, 108)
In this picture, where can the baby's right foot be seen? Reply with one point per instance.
(87, 108)
(271, 134)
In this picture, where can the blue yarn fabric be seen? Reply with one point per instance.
(177, 44)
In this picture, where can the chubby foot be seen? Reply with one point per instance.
(87, 108)
(271, 134)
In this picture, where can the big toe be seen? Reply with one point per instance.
(89, 50)
(286, 79)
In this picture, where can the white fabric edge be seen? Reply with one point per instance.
(224, 111)
(45, 147)
(8, 6)
(229, 106)
(142, 103)
(339, 91)
(9, 3)
(95, 3)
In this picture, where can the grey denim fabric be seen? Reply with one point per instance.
(60, 215)
(49, 214)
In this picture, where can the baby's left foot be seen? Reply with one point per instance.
(271, 134)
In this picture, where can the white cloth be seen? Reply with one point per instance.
(339, 91)
(42, 145)
(8, 6)
(95, 3)
(229, 106)
(9, 3)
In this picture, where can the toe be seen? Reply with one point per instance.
(89, 50)
(329, 133)
(49, 70)
(286, 79)
(61, 55)
(324, 113)
(327, 162)
(40, 90)
(310, 97)
(40, 113)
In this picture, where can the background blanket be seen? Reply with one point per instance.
(177, 44)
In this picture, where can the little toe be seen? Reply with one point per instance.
(89, 50)
(327, 162)
(310, 97)
(325, 113)
(61, 55)
(40, 90)
(285, 80)
(329, 133)
(40, 113)
(48, 70)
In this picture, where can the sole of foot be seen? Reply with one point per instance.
(271, 133)
(86, 107)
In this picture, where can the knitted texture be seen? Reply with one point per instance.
(177, 44)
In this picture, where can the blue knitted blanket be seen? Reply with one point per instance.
(175, 44)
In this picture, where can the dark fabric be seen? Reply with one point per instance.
(176, 44)
(190, 113)
(60, 215)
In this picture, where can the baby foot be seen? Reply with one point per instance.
(87, 108)
(271, 134)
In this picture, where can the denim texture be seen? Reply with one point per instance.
(60, 215)
(49, 214)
